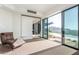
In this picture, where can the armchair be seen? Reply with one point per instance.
(7, 38)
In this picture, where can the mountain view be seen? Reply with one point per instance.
(67, 31)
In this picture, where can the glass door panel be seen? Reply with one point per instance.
(71, 27)
(45, 28)
(54, 27)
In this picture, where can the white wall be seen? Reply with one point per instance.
(17, 25)
(5, 21)
(11, 22)
(27, 27)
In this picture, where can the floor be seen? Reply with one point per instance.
(39, 47)
(58, 50)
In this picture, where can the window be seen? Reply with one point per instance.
(71, 27)
(54, 27)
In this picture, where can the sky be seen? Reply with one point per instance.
(56, 20)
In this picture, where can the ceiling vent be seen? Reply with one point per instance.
(30, 11)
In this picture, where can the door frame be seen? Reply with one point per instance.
(43, 28)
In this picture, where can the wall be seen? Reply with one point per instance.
(27, 27)
(5, 21)
(17, 25)
(11, 22)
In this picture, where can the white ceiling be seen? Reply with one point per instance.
(36, 7)
(41, 9)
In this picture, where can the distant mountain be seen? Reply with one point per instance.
(55, 29)
(71, 32)
(67, 31)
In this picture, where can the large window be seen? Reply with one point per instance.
(71, 27)
(70, 30)
(54, 27)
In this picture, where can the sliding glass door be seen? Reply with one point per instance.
(70, 28)
(54, 27)
(45, 28)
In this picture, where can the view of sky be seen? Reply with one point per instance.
(70, 21)
(56, 20)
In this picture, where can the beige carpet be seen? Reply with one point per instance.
(41, 45)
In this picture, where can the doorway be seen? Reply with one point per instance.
(36, 29)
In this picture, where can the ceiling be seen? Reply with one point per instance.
(36, 7)
(41, 9)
